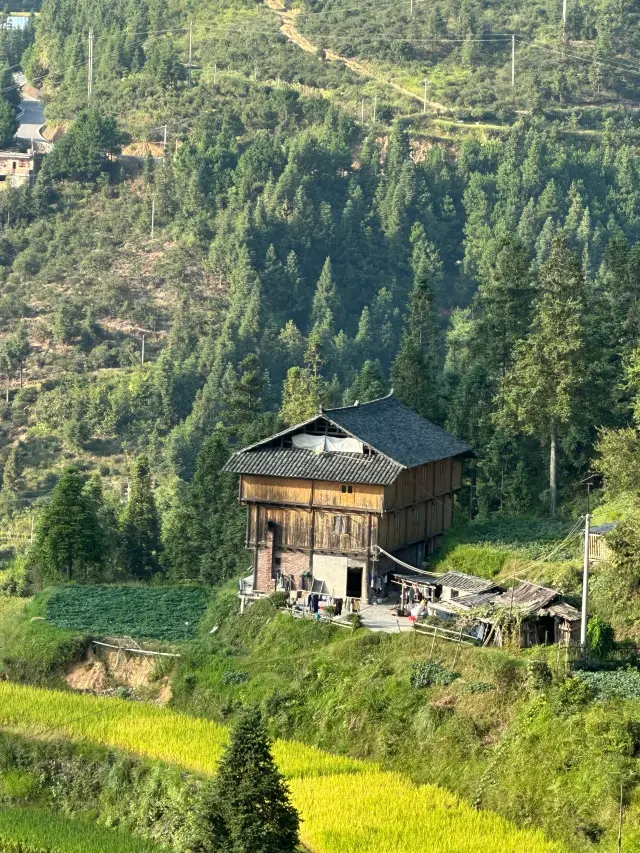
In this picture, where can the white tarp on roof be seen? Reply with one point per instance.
(327, 443)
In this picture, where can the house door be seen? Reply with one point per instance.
(354, 582)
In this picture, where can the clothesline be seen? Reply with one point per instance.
(404, 565)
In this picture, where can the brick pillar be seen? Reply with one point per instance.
(266, 581)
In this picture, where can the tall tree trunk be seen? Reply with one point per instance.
(553, 473)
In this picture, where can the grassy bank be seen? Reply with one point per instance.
(544, 752)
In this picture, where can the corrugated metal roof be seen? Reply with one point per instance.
(307, 465)
(527, 596)
(478, 599)
(603, 529)
(467, 583)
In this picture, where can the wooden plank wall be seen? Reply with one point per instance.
(294, 529)
(423, 483)
(282, 490)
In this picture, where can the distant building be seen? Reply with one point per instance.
(18, 169)
(599, 550)
(325, 496)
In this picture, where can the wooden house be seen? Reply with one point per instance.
(324, 496)
(539, 614)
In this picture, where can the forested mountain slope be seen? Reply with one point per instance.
(298, 257)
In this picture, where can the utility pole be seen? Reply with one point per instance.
(411, 1)
(142, 352)
(426, 82)
(585, 585)
(564, 13)
(153, 214)
(513, 61)
(164, 140)
(375, 107)
(190, 48)
(90, 66)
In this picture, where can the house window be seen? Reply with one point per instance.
(398, 521)
(341, 524)
(455, 593)
(347, 490)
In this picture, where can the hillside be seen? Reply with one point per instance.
(252, 213)
(508, 732)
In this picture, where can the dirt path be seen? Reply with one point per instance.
(290, 30)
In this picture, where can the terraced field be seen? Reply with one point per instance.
(24, 830)
(344, 803)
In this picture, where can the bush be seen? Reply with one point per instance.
(540, 675)
(624, 683)
(429, 674)
(235, 677)
(600, 636)
(279, 599)
(355, 619)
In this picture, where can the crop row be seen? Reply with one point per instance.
(345, 804)
(39, 831)
(148, 613)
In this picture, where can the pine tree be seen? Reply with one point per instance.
(543, 392)
(369, 384)
(249, 808)
(69, 535)
(416, 371)
(325, 300)
(301, 395)
(141, 543)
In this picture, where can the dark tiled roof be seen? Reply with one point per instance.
(307, 465)
(399, 437)
(398, 432)
(466, 583)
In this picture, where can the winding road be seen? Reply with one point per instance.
(31, 115)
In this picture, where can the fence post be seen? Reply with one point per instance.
(455, 657)
(433, 642)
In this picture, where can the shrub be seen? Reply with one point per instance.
(235, 677)
(540, 675)
(355, 619)
(429, 673)
(279, 599)
(600, 636)
(624, 683)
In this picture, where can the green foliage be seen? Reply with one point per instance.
(600, 636)
(39, 831)
(33, 651)
(429, 673)
(84, 151)
(250, 809)
(70, 538)
(169, 613)
(141, 545)
(624, 683)
(540, 675)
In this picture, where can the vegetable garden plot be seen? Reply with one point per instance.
(163, 613)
